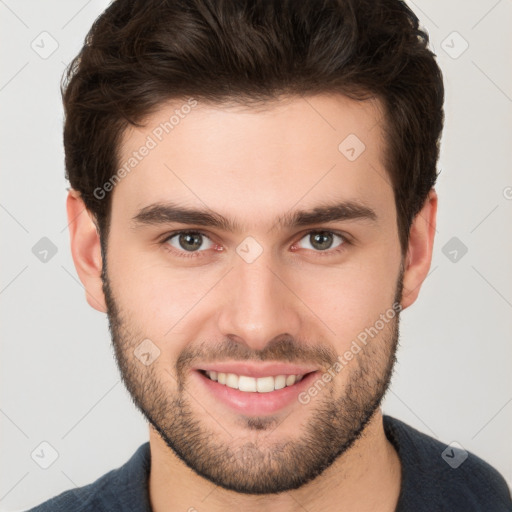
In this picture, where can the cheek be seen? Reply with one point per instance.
(141, 289)
(153, 296)
(351, 296)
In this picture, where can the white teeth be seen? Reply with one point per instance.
(232, 380)
(290, 380)
(265, 384)
(245, 383)
(251, 384)
(280, 382)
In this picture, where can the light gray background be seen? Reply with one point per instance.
(59, 379)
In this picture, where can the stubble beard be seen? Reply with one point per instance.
(236, 458)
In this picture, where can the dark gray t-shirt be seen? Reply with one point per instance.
(435, 477)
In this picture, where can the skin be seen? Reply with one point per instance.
(293, 303)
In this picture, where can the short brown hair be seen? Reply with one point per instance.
(141, 53)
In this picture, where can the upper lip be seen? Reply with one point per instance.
(258, 370)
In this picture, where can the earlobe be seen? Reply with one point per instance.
(86, 249)
(419, 251)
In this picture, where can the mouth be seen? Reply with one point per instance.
(248, 395)
(248, 384)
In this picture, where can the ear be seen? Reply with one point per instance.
(86, 249)
(419, 251)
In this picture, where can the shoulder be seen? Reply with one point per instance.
(444, 477)
(123, 488)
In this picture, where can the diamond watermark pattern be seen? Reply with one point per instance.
(351, 147)
(44, 45)
(147, 352)
(454, 455)
(454, 45)
(249, 249)
(44, 455)
(454, 249)
(44, 250)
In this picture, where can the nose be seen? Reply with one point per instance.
(257, 303)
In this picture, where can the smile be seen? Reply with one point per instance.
(251, 384)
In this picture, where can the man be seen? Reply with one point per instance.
(252, 203)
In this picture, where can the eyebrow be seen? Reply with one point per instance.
(165, 213)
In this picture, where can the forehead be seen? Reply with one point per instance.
(242, 160)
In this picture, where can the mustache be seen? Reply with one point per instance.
(283, 348)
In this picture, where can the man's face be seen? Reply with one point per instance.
(267, 292)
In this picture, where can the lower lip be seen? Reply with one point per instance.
(254, 403)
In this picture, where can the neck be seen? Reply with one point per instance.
(365, 478)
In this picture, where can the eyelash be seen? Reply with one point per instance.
(195, 254)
